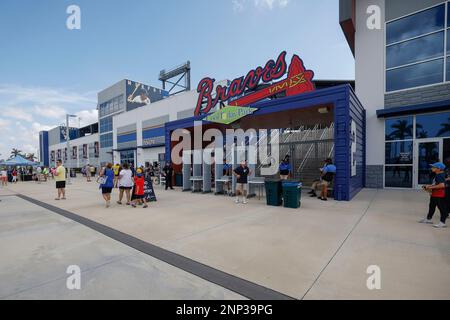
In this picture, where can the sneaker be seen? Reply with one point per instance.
(128, 204)
(146, 206)
(323, 199)
(426, 221)
(313, 195)
(237, 200)
(245, 201)
(118, 202)
(440, 225)
(133, 205)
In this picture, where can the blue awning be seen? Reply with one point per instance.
(414, 109)
(19, 161)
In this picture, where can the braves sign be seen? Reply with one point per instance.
(298, 80)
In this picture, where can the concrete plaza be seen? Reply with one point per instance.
(320, 251)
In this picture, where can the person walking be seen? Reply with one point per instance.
(45, 173)
(87, 171)
(60, 179)
(4, 177)
(437, 196)
(168, 174)
(106, 180)
(447, 185)
(14, 175)
(139, 194)
(242, 172)
(116, 168)
(125, 183)
(327, 173)
(92, 171)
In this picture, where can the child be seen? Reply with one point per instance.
(139, 195)
(437, 196)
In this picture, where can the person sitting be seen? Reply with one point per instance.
(327, 173)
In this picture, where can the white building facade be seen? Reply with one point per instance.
(402, 77)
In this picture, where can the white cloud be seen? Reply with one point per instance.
(240, 5)
(87, 116)
(34, 109)
(19, 114)
(51, 112)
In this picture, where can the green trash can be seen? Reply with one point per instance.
(178, 179)
(292, 193)
(273, 192)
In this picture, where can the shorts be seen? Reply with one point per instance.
(125, 188)
(60, 184)
(241, 187)
(322, 183)
(106, 190)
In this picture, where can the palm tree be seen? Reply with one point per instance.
(15, 152)
(445, 128)
(402, 130)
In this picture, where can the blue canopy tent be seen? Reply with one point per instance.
(19, 161)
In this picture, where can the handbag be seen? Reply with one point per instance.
(102, 180)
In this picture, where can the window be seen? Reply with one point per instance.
(106, 124)
(399, 152)
(398, 176)
(399, 128)
(411, 51)
(106, 140)
(406, 28)
(399, 134)
(127, 157)
(433, 125)
(415, 50)
(415, 76)
(112, 106)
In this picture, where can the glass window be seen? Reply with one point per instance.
(428, 47)
(415, 76)
(448, 69)
(399, 152)
(415, 25)
(433, 125)
(398, 176)
(399, 128)
(106, 140)
(448, 38)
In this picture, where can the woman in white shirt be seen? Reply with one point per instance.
(125, 183)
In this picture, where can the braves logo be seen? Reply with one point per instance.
(299, 80)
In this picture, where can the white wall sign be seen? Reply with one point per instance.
(353, 147)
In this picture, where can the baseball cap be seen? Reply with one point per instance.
(438, 165)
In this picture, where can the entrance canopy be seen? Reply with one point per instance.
(336, 107)
(19, 161)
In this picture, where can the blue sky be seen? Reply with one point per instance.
(47, 70)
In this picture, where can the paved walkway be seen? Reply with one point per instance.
(320, 251)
